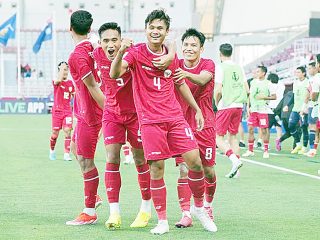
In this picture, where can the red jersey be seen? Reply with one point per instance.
(62, 93)
(202, 94)
(81, 64)
(119, 96)
(153, 89)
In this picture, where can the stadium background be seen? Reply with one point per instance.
(275, 33)
(277, 200)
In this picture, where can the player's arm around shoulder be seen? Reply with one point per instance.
(164, 61)
(200, 79)
(118, 65)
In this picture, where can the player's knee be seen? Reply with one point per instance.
(54, 134)
(156, 169)
(251, 130)
(183, 170)
(138, 156)
(209, 172)
(113, 157)
(86, 165)
(67, 132)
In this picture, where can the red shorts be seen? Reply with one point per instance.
(164, 140)
(117, 128)
(206, 140)
(61, 120)
(86, 138)
(258, 120)
(228, 120)
(318, 124)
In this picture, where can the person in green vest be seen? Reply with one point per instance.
(299, 115)
(231, 91)
(260, 94)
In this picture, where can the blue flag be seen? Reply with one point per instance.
(45, 35)
(8, 30)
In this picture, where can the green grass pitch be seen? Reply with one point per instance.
(37, 196)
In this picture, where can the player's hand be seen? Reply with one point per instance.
(285, 109)
(180, 74)
(125, 44)
(199, 120)
(162, 62)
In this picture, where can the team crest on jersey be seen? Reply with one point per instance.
(167, 73)
(70, 89)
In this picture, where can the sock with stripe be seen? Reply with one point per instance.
(196, 184)
(112, 181)
(144, 181)
(91, 182)
(159, 197)
(184, 194)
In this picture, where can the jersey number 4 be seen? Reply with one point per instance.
(156, 82)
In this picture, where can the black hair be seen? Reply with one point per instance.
(192, 32)
(60, 63)
(312, 64)
(302, 69)
(109, 25)
(158, 14)
(263, 69)
(226, 49)
(274, 78)
(81, 21)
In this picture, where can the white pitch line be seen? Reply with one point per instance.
(280, 168)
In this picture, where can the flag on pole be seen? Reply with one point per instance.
(45, 35)
(8, 30)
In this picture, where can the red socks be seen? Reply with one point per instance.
(91, 182)
(112, 181)
(210, 188)
(196, 184)
(184, 194)
(266, 146)
(67, 141)
(250, 145)
(144, 181)
(229, 152)
(53, 140)
(159, 197)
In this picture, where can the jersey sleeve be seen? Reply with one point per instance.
(209, 67)
(83, 65)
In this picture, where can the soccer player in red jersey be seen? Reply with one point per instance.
(199, 75)
(63, 90)
(89, 101)
(164, 130)
(120, 123)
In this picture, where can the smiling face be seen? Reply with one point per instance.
(191, 49)
(110, 41)
(156, 32)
